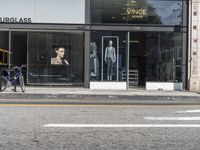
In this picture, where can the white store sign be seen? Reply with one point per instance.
(42, 11)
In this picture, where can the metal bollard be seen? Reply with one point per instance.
(15, 86)
(0, 81)
(15, 83)
(0, 85)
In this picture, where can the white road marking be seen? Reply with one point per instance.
(189, 111)
(123, 125)
(173, 118)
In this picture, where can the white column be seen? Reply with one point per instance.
(194, 46)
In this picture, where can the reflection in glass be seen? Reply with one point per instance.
(156, 56)
(165, 57)
(153, 56)
(55, 58)
(169, 12)
(18, 48)
(165, 12)
(4, 49)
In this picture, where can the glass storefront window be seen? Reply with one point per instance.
(18, 48)
(55, 58)
(153, 56)
(157, 56)
(163, 12)
(108, 56)
(4, 49)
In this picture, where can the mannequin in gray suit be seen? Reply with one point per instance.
(110, 58)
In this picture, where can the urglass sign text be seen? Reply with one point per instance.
(15, 20)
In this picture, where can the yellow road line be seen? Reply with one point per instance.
(99, 105)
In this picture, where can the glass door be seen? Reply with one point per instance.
(137, 56)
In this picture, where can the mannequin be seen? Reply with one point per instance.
(110, 58)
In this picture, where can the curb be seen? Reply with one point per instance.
(8, 98)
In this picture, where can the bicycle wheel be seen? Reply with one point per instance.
(3, 83)
(21, 83)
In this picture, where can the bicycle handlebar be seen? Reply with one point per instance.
(17, 67)
(12, 68)
(23, 66)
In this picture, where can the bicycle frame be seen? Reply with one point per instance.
(12, 75)
(15, 77)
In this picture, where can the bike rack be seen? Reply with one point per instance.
(15, 87)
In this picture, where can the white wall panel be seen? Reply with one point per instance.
(43, 11)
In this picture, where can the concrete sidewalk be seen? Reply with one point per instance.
(64, 95)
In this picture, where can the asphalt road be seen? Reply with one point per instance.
(138, 127)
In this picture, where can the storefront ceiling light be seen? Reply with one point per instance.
(134, 41)
(123, 13)
(124, 41)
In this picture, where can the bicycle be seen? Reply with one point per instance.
(10, 76)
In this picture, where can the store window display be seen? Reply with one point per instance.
(108, 56)
(162, 12)
(55, 58)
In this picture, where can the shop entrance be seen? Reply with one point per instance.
(137, 60)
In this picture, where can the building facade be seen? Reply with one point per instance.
(107, 44)
(194, 45)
